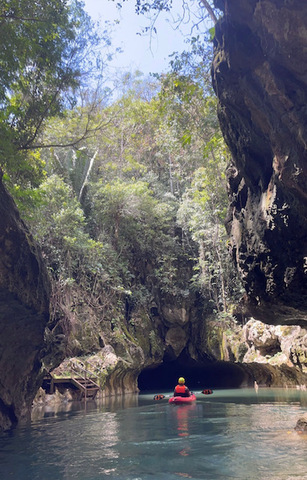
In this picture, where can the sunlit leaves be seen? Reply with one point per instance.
(59, 225)
(202, 214)
(130, 213)
(48, 50)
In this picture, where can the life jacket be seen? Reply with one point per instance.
(181, 391)
(207, 391)
(159, 397)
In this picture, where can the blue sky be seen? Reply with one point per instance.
(139, 52)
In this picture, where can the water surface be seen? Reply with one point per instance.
(232, 434)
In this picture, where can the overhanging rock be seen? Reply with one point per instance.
(260, 78)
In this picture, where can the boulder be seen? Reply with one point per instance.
(301, 424)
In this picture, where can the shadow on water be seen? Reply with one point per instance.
(198, 376)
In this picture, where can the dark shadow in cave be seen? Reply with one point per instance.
(198, 375)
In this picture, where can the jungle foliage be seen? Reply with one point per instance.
(126, 197)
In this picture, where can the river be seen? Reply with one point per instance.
(231, 434)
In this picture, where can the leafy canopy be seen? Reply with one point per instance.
(44, 59)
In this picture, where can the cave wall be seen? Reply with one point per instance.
(260, 77)
(24, 314)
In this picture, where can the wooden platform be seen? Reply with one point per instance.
(84, 384)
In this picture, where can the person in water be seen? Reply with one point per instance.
(181, 390)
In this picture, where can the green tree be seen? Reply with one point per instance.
(87, 282)
(202, 214)
(45, 56)
(154, 193)
(132, 217)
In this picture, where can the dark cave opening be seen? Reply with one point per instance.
(198, 375)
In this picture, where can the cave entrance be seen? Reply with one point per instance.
(198, 375)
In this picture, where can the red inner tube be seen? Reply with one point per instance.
(179, 399)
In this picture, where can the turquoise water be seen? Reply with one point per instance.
(232, 434)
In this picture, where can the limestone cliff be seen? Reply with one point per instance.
(121, 346)
(260, 78)
(24, 291)
(270, 355)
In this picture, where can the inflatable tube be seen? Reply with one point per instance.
(180, 400)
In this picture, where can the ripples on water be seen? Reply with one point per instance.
(230, 435)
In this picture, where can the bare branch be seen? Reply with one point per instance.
(87, 133)
(209, 10)
(10, 16)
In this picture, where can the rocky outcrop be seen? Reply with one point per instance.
(119, 348)
(273, 356)
(260, 78)
(24, 313)
(149, 352)
(301, 424)
(266, 375)
(260, 343)
(275, 345)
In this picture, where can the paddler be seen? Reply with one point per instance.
(181, 390)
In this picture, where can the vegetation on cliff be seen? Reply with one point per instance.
(125, 194)
(42, 67)
(133, 217)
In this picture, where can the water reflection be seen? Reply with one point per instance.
(99, 439)
(230, 435)
(182, 417)
(108, 404)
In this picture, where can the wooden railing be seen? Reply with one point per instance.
(84, 380)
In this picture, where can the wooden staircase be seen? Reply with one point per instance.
(81, 379)
(88, 388)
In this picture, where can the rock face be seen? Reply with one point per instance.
(260, 78)
(275, 345)
(118, 351)
(274, 356)
(24, 291)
